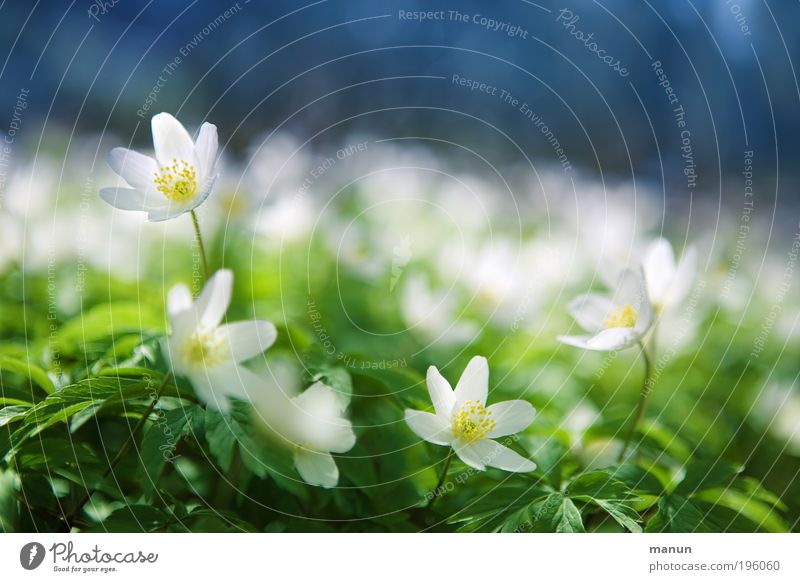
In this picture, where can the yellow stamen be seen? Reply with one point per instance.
(178, 181)
(205, 348)
(472, 422)
(623, 317)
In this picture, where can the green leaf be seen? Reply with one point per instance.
(105, 321)
(706, 474)
(676, 514)
(34, 373)
(758, 512)
(549, 455)
(638, 479)
(11, 414)
(598, 485)
(626, 516)
(160, 440)
(9, 487)
(221, 435)
(557, 513)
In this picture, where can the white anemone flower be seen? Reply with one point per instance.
(208, 352)
(463, 421)
(313, 425)
(177, 180)
(613, 322)
(668, 282)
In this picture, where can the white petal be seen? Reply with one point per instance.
(206, 149)
(203, 193)
(166, 212)
(659, 268)
(318, 420)
(631, 289)
(316, 468)
(136, 169)
(441, 393)
(590, 311)
(579, 341)
(247, 339)
(125, 198)
(429, 427)
(493, 454)
(179, 299)
(684, 277)
(207, 390)
(468, 454)
(215, 298)
(511, 417)
(474, 382)
(616, 338)
(171, 140)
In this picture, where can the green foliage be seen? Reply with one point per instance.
(77, 389)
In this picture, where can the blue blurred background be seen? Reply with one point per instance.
(323, 69)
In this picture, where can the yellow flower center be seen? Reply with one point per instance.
(472, 422)
(623, 317)
(205, 348)
(178, 181)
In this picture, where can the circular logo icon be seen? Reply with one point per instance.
(31, 555)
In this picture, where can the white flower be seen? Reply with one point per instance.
(615, 322)
(434, 314)
(463, 422)
(313, 425)
(207, 352)
(178, 180)
(668, 283)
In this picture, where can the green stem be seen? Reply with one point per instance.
(639, 414)
(435, 495)
(200, 244)
(124, 448)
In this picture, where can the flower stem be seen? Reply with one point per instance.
(124, 449)
(647, 385)
(435, 494)
(200, 244)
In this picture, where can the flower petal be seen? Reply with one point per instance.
(616, 338)
(207, 390)
(682, 281)
(171, 140)
(468, 454)
(659, 269)
(179, 299)
(136, 169)
(493, 454)
(166, 212)
(125, 198)
(318, 422)
(429, 427)
(474, 382)
(215, 298)
(247, 339)
(590, 311)
(441, 393)
(578, 341)
(206, 149)
(511, 417)
(316, 468)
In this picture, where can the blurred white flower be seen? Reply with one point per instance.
(462, 420)
(614, 322)
(433, 314)
(778, 409)
(178, 180)
(668, 282)
(312, 424)
(209, 354)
